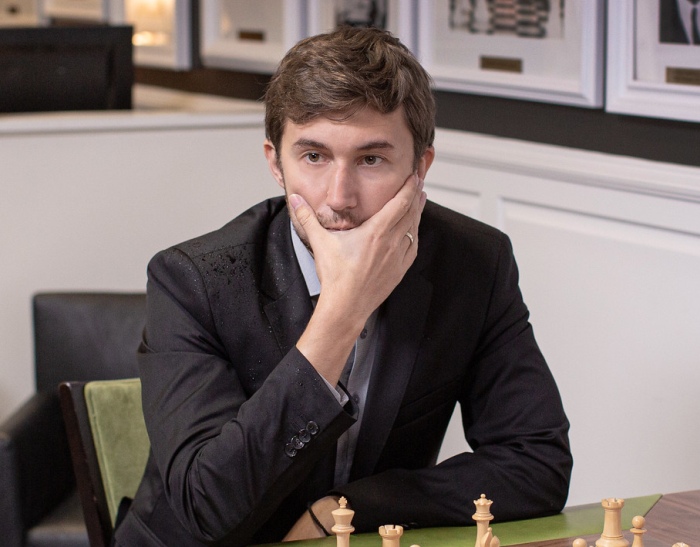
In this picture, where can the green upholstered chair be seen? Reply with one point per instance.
(78, 336)
(109, 447)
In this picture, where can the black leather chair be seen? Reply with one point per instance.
(78, 337)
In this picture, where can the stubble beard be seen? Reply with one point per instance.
(334, 222)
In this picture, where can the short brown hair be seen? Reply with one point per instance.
(339, 73)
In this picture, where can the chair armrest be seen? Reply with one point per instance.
(35, 467)
(11, 528)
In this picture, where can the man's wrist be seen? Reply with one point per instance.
(317, 522)
(321, 513)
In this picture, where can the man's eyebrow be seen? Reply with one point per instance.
(371, 145)
(309, 143)
(376, 145)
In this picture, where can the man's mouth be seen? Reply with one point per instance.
(339, 226)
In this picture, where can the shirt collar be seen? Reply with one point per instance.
(306, 263)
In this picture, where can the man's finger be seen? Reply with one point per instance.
(306, 221)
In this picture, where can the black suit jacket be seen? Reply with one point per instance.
(225, 391)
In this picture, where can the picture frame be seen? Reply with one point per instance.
(162, 31)
(96, 11)
(648, 74)
(249, 35)
(162, 28)
(396, 16)
(20, 13)
(551, 53)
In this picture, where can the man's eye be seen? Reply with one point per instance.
(372, 160)
(313, 157)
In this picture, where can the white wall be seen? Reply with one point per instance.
(609, 255)
(608, 247)
(87, 200)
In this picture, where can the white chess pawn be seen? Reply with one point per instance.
(638, 531)
(391, 535)
(342, 527)
(579, 542)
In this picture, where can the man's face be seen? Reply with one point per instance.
(346, 170)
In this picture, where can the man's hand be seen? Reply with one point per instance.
(358, 269)
(306, 528)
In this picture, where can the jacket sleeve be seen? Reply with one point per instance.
(227, 458)
(513, 420)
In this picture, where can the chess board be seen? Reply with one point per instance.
(580, 521)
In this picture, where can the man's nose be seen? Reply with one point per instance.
(341, 192)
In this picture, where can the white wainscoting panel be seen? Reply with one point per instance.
(609, 255)
(467, 203)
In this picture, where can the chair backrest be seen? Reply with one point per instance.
(84, 336)
(109, 448)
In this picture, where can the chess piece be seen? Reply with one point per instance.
(342, 527)
(638, 531)
(579, 542)
(681, 544)
(489, 540)
(612, 525)
(482, 517)
(555, 26)
(391, 535)
(481, 17)
(461, 12)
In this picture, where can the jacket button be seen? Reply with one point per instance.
(290, 451)
(296, 443)
(312, 427)
(304, 435)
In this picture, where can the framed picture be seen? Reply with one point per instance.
(19, 13)
(81, 10)
(396, 16)
(654, 59)
(162, 31)
(250, 35)
(540, 50)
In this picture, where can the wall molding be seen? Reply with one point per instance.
(569, 165)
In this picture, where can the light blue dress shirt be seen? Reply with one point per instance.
(358, 383)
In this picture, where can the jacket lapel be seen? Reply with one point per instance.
(402, 323)
(288, 308)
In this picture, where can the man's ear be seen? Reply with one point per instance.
(425, 162)
(272, 162)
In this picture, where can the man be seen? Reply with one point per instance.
(316, 347)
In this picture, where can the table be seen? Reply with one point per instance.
(670, 518)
